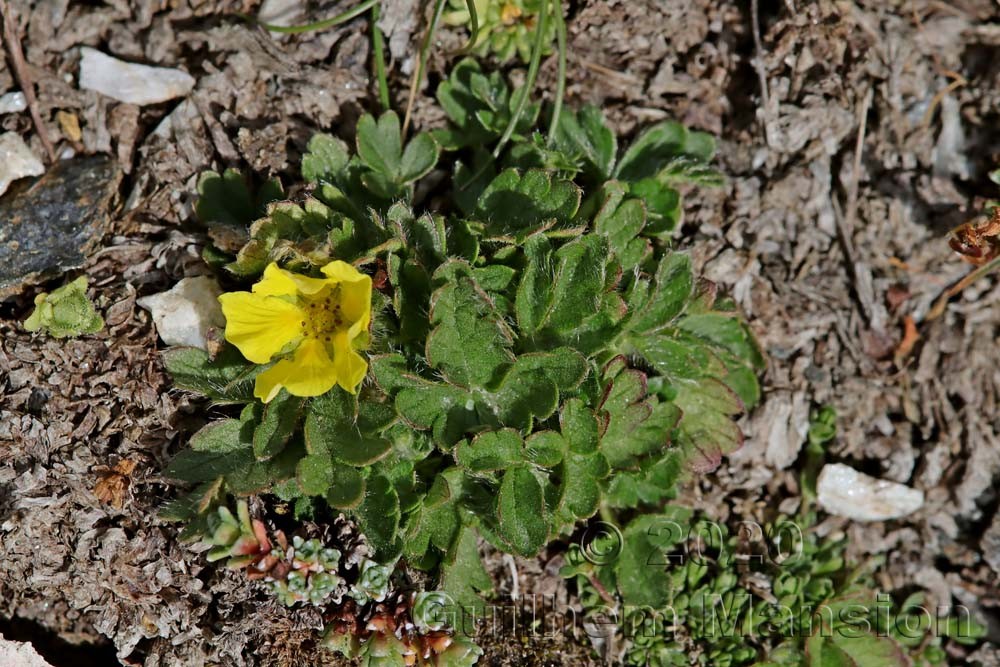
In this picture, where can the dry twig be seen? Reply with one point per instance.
(20, 68)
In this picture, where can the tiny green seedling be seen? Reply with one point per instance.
(66, 312)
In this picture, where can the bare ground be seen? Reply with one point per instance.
(854, 136)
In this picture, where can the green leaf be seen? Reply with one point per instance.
(640, 567)
(479, 107)
(463, 576)
(334, 426)
(637, 424)
(545, 448)
(621, 221)
(229, 377)
(491, 451)
(658, 145)
(258, 476)
(518, 204)
(315, 474)
(226, 435)
(534, 291)
(470, 342)
(380, 148)
(726, 331)
(278, 423)
(419, 157)
(585, 136)
(532, 386)
(346, 488)
(325, 160)
(706, 430)
(663, 205)
(380, 144)
(522, 519)
(224, 199)
(655, 305)
(567, 297)
(378, 517)
(227, 199)
(205, 466)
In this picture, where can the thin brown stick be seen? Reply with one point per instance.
(20, 68)
(942, 302)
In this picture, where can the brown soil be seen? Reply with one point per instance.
(828, 248)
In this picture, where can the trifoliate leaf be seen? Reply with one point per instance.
(585, 136)
(479, 107)
(658, 145)
(380, 148)
(516, 203)
(334, 427)
(621, 220)
(325, 160)
(226, 199)
(470, 342)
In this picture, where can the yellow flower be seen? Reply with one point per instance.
(318, 322)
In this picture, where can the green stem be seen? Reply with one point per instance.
(418, 75)
(378, 54)
(474, 25)
(317, 25)
(529, 82)
(561, 82)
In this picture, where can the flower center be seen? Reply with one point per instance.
(323, 316)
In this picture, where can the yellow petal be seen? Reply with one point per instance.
(260, 326)
(355, 295)
(279, 282)
(342, 272)
(356, 304)
(310, 372)
(351, 366)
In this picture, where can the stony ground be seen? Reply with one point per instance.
(854, 135)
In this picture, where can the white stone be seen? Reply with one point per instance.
(281, 12)
(16, 161)
(128, 82)
(184, 314)
(19, 654)
(844, 491)
(13, 102)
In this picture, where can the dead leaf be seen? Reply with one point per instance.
(114, 482)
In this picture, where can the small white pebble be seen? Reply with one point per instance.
(184, 314)
(12, 102)
(129, 82)
(16, 160)
(844, 491)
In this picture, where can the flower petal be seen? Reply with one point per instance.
(342, 272)
(310, 372)
(260, 326)
(279, 282)
(351, 366)
(356, 304)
